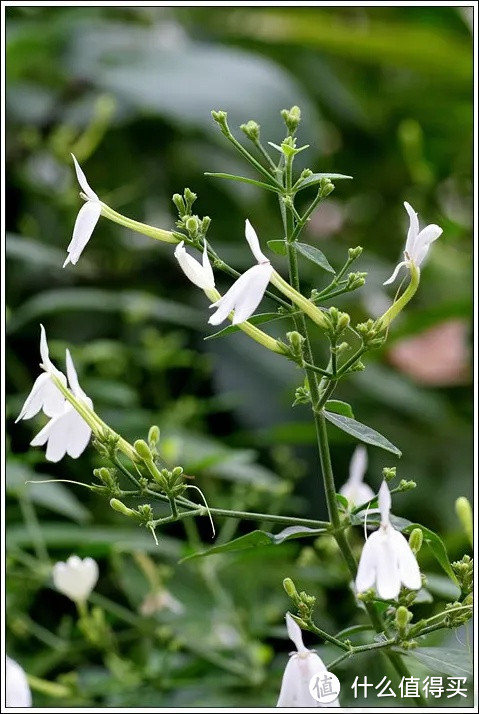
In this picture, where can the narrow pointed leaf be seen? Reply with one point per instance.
(361, 432)
(244, 179)
(315, 255)
(338, 407)
(316, 178)
(277, 246)
(452, 662)
(259, 539)
(437, 547)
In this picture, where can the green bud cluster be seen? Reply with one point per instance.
(326, 186)
(195, 226)
(389, 473)
(456, 619)
(109, 479)
(302, 395)
(402, 619)
(373, 336)
(302, 601)
(338, 322)
(291, 118)
(252, 130)
(96, 630)
(464, 572)
(355, 280)
(354, 253)
(221, 118)
(406, 485)
(106, 443)
(295, 347)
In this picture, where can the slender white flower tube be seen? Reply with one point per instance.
(355, 490)
(17, 691)
(44, 395)
(387, 561)
(417, 243)
(302, 666)
(76, 578)
(200, 274)
(87, 218)
(246, 293)
(66, 432)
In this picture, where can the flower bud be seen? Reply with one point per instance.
(354, 253)
(291, 118)
(389, 473)
(305, 173)
(205, 224)
(192, 225)
(415, 540)
(153, 435)
(251, 129)
(290, 589)
(221, 118)
(325, 187)
(177, 471)
(179, 203)
(121, 508)
(464, 513)
(142, 449)
(403, 618)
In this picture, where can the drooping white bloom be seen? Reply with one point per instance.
(246, 293)
(387, 561)
(66, 432)
(417, 242)
(355, 490)
(87, 218)
(44, 394)
(200, 274)
(17, 691)
(302, 666)
(76, 578)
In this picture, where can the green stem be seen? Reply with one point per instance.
(325, 636)
(245, 153)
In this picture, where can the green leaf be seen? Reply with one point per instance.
(315, 255)
(244, 179)
(342, 500)
(316, 178)
(258, 539)
(452, 662)
(437, 547)
(255, 320)
(339, 407)
(361, 432)
(277, 246)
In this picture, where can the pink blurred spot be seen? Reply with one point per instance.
(437, 357)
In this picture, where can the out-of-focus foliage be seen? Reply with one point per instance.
(386, 97)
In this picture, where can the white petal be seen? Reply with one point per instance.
(294, 633)
(427, 236)
(79, 437)
(395, 273)
(357, 493)
(413, 228)
(366, 575)
(253, 293)
(253, 242)
(44, 352)
(43, 435)
(58, 436)
(43, 395)
(358, 465)
(83, 182)
(17, 691)
(200, 275)
(388, 581)
(227, 302)
(73, 379)
(295, 685)
(76, 578)
(53, 399)
(384, 503)
(85, 223)
(408, 566)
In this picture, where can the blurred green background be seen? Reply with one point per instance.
(386, 96)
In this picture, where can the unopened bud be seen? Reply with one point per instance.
(291, 118)
(464, 513)
(143, 450)
(326, 187)
(251, 129)
(415, 540)
(179, 203)
(121, 508)
(221, 118)
(305, 173)
(403, 617)
(389, 473)
(192, 225)
(153, 435)
(205, 224)
(290, 588)
(354, 253)
(177, 471)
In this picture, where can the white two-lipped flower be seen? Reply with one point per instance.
(17, 691)
(302, 666)
(387, 561)
(200, 274)
(417, 243)
(355, 490)
(66, 432)
(246, 293)
(76, 578)
(87, 218)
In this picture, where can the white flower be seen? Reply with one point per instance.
(66, 432)
(302, 666)
(246, 293)
(76, 578)
(354, 489)
(17, 691)
(200, 274)
(86, 220)
(44, 395)
(417, 242)
(387, 561)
